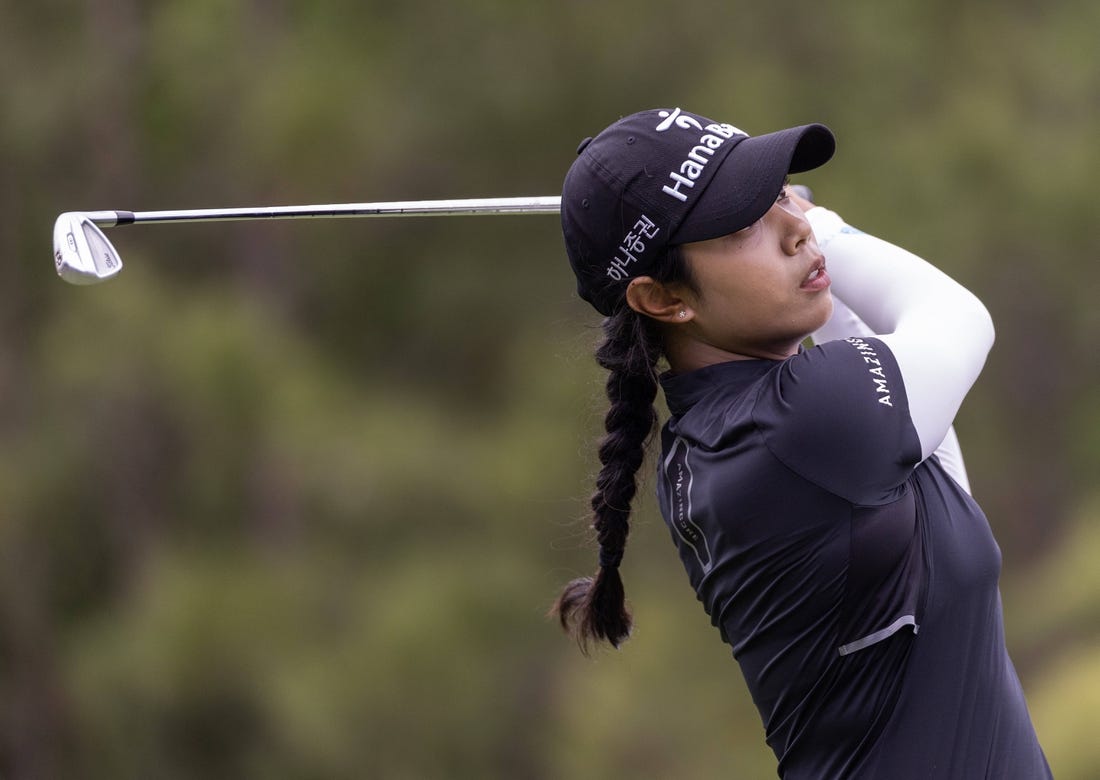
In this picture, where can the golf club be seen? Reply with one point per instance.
(83, 255)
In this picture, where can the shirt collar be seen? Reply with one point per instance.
(683, 391)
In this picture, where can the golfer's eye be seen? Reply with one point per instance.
(784, 193)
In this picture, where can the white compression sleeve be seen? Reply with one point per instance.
(950, 456)
(843, 324)
(938, 332)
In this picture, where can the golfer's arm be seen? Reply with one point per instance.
(938, 332)
(843, 324)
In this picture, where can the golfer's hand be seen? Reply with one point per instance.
(801, 195)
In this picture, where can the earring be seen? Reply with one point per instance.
(682, 314)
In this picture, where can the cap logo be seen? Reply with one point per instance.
(632, 245)
(681, 120)
(693, 167)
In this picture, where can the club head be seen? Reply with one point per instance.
(81, 253)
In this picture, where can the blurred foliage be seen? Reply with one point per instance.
(291, 499)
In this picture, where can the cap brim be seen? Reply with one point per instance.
(748, 180)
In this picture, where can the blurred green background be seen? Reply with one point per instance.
(290, 500)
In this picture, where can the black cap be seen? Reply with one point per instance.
(664, 177)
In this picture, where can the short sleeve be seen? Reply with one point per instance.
(838, 415)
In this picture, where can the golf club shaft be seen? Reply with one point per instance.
(421, 208)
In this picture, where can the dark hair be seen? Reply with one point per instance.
(595, 608)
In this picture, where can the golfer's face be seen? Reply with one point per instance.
(763, 289)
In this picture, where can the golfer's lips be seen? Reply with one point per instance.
(817, 278)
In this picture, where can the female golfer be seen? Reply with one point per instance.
(816, 495)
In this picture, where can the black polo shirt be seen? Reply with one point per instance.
(856, 585)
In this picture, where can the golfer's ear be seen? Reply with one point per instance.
(654, 299)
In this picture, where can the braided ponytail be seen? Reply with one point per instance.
(595, 609)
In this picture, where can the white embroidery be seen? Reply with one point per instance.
(681, 120)
(878, 375)
(696, 160)
(630, 247)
